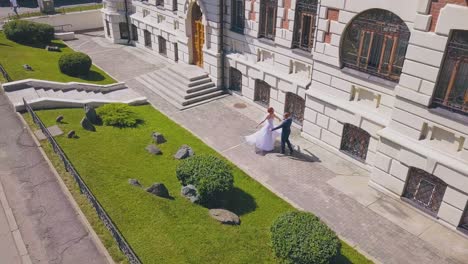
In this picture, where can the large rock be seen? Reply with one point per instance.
(224, 216)
(159, 189)
(59, 119)
(71, 134)
(190, 192)
(153, 149)
(91, 114)
(184, 152)
(87, 125)
(158, 138)
(134, 182)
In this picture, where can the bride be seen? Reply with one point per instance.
(264, 139)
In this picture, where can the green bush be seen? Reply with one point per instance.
(211, 176)
(26, 32)
(75, 64)
(301, 238)
(119, 115)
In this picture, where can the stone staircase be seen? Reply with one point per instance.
(182, 85)
(43, 94)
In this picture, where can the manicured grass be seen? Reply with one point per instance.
(44, 63)
(169, 230)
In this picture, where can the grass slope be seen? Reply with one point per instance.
(162, 230)
(44, 63)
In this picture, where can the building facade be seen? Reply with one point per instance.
(382, 83)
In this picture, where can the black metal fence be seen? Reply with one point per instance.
(123, 245)
(5, 74)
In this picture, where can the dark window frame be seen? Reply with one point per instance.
(238, 16)
(304, 24)
(235, 80)
(134, 33)
(148, 41)
(295, 105)
(267, 25)
(451, 90)
(262, 93)
(376, 42)
(160, 3)
(108, 28)
(162, 46)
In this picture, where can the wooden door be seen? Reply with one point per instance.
(198, 42)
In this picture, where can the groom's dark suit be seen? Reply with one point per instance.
(286, 126)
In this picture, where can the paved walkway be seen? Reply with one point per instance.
(46, 220)
(316, 180)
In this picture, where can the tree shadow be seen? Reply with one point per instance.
(93, 76)
(6, 45)
(340, 259)
(240, 202)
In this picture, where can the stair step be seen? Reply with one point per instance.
(203, 97)
(160, 78)
(183, 88)
(166, 97)
(183, 80)
(190, 73)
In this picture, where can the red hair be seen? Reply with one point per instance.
(270, 110)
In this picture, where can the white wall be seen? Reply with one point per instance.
(79, 20)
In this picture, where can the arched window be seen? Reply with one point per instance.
(452, 87)
(304, 24)
(375, 42)
(262, 93)
(295, 105)
(235, 80)
(424, 190)
(267, 27)
(355, 142)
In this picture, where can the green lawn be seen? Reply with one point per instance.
(44, 63)
(162, 230)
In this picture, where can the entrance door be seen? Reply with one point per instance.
(198, 30)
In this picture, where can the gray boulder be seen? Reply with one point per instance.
(91, 114)
(52, 48)
(224, 216)
(159, 189)
(71, 134)
(153, 149)
(87, 125)
(158, 138)
(184, 152)
(59, 119)
(27, 67)
(190, 192)
(134, 182)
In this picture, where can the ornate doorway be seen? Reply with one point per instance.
(198, 35)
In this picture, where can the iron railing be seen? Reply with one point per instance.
(295, 105)
(262, 93)
(118, 237)
(5, 74)
(355, 142)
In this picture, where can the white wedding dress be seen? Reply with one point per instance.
(264, 139)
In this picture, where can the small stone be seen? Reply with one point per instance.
(224, 216)
(159, 189)
(71, 134)
(59, 119)
(87, 125)
(52, 48)
(190, 192)
(91, 114)
(158, 138)
(134, 182)
(153, 149)
(27, 67)
(184, 152)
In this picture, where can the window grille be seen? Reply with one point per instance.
(268, 9)
(304, 24)
(235, 80)
(355, 142)
(134, 33)
(452, 87)
(375, 42)
(464, 220)
(147, 36)
(123, 27)
(162, 46)
(237, 16)
(424, 190)
(295, 105)
(262, 93)
(160, 3)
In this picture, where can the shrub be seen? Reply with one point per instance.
(300, 238)
(27, 32)
(119, 115)
(211, 176)
(75, 64)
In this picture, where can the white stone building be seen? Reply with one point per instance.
(382, 83)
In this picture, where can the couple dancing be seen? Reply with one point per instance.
(264, 139)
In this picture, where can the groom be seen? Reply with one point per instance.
(286, 126)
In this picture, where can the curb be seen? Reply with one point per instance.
(15, 232)
(69, 196)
